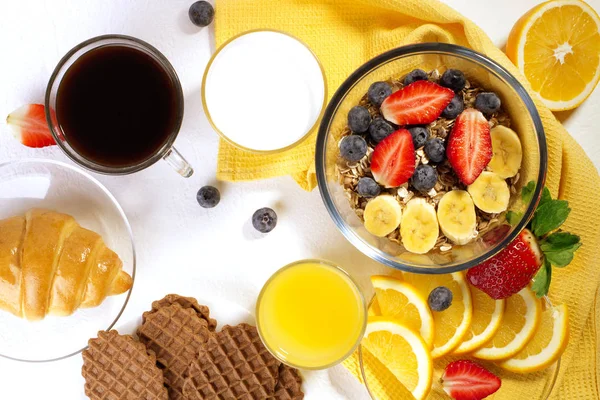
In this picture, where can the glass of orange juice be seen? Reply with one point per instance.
(311, 314)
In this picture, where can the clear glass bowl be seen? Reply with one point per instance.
(30, 183)
(525, 120)
(542, 382)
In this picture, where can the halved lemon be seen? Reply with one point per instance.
(556, 45)
(401, 301)
(402, 351)
(548, 343)
(521, 319)
(487, 317)
(452, 324)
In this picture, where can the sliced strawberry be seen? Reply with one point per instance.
(419, 103)
(466, 380)
(393, 161)
(29, 126)
(510, 270)
(469, 148)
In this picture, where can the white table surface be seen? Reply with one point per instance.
(213, 255)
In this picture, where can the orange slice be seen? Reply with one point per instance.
(556, 45)
(548, 343)
(520, 321)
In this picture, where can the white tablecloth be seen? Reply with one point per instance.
(213, 255)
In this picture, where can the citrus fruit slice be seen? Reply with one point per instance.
(556, 45)
(452, 324)
(401, 301)
(402, 351)
(521, 319)
(487, 316)
(548, 343)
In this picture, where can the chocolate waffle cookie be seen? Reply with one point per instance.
(184, 302)
(117, 367)
(175, 334)
(232, 364)
(289, 384)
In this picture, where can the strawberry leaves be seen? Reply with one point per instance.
(558, 247)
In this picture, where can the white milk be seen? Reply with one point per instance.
(264, 90)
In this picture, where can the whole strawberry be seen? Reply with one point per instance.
(510, 270)
(532, 254)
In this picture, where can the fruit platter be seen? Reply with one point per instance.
(363, 200)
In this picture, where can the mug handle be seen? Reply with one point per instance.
(176, 160)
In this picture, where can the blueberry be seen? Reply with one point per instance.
(424, 178)
(379, 130)
(435, 150)
(264, 220)
(415, 75)
(419, 135)
(454, 108)
(353, 147)
(487, 102)
(201, 13)
(453, 79)
(367, 187)
(208, 196)
(359, 119)
(378, 92)
(440, 298)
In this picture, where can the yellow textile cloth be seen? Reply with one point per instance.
(344, 34)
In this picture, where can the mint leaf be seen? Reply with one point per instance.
(527, 192)
(513, 217)
(541, 280)
(546, 197)
(559, 241)
(550, 216)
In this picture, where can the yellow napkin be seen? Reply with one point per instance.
(345, 34)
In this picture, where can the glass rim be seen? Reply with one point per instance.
(354, 285)
(167, 67)
(412, 50)
(129, 231)
(222, 135)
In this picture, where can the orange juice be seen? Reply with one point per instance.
(311, 315)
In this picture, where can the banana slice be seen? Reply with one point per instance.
(456, 216)
(490, 192)
(419, 229)
(507, 150)
(382, 215)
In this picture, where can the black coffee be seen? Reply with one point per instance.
(117, 106)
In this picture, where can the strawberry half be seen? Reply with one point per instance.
(469, 148)
(510, 270)
(29, 126)
(393, 161)
(466, 380)
(419, 103)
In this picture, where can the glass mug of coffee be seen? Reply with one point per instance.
(114, 105)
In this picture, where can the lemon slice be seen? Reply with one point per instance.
(402, 351)
(556, 45)
(401, 301)
(487, 316)
(451, 324)
(548, 343)
(521, 319)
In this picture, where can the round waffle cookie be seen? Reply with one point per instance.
(117, 367)
(185, 302)
(175, 334)
(232, 364)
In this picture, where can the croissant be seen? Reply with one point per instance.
(50, 265)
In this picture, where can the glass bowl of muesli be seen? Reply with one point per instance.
(431, 158)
